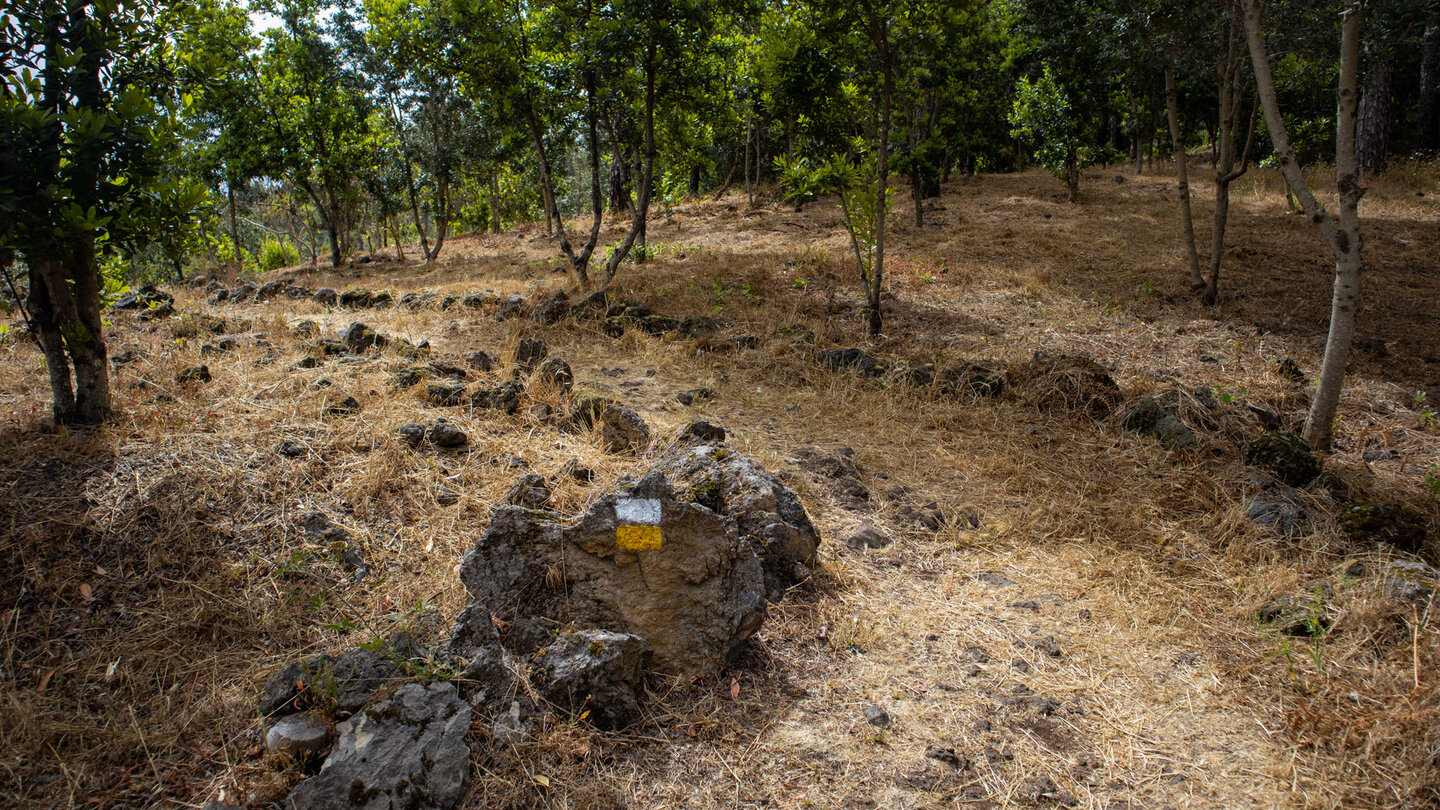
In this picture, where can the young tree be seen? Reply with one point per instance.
(88, 124)
(1341, 234)
(1043, 117)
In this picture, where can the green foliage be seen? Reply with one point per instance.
(862, 202)
(276, 253)
(798, 181)
(1041, 116)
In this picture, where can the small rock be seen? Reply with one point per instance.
(345, 407)
(290, 449)
(699, 326)
(298, 736)
(1048, 646)
(443, 433)
(596, 672)
(577, 471)
(995, 580)
(512, 307)
(481, 360)
(359, 338)
(355, 298)
(945, 755)
(1020, 665)
(622, 430)
(542, 412)
(1393, 523)
(445, 394)
(1281, 514)
(556, 372)
(876, 716)
(1288, 369)
(407, 751)
(510, 726)
(530, 491)
(836, 359)
(865, 537)
(411, 434)
(1037, 789)
(406, 378)
(445, 496)
(529, 354)
(1411, 581)
(326, 297)
(695, 395)
(193, 374)
(552, 309)
(504, 397)
(1286, 456)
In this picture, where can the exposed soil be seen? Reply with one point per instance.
(1081, 629)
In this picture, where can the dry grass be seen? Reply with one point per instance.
(157, 571)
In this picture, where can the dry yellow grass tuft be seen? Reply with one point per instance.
(157, 570)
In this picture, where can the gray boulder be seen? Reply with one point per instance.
(444, 433)
(530, 491)
(1149, 417)
(596, 673)
(298, 736)
(641, 560)
(326, 296)
(405, 752)
(767, 514)
(351, 678)
(512, 307)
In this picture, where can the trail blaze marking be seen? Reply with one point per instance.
(639, 520)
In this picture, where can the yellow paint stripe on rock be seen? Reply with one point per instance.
(637, 538)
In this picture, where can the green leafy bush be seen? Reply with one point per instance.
(275, 254)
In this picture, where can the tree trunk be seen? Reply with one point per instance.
(415, 212)
(749, 136)
(1182, 176)
(442, 218)
(1429, 120)
(1072, 173)
(643, 183)
(494, 202)
(47, 332)
(234, 230)
(1373, 129)
(877, 276)
(1343, 237)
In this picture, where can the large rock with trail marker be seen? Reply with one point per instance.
(684, 559)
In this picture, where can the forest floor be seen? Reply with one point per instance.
(156, 572)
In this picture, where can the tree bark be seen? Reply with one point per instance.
(1072, 173)
(1429, 120)
(494, 202)
(644, 185)
(1182, 175)
(1373, 128)
(877, 276)
(1343, 237)
(47, 332)
(234, 229)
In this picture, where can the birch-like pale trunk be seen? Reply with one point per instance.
(1342, 234)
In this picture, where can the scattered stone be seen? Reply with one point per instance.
(928, 516)
(699, 326)
(971, 379)
(576, 471)
(510, 727)
(333, 348)
(876, 716)
(1150, 418)
(381, 300)
(658, 324)
(865, 537)
(244, 292)
(1301, 616)
(529, 354)
(945, 755)
(995, 580)
(350, 679)
(481, 360)
(552, 310)
(585, 414)
(1048, 646)
(1286, 456)
(345, 407)
(694, 395)
(1411, 581)
(290, 449)
(596, 673)
(1289, 370)
(768, 515)
(701, 432)
(622, 430)
(1020, 665)
(839, 471)
(504, 397)
(613, 328)
(542, 412)
(837, 359)
(1066, 383)
(556, 372)
(593, 305)
(445, 394)
(1280, 513)
(411, 434)
(512, 307)
(1037, 789)
(407, 378)
(530, 491)
(797, 333)
(1380, 454)
(298, 736)
(640, 560)
(306, 330)
(408, 751)
(355, 298)
(443, 368)
(220, 296)
(444, 433)
(359, 337)
(1396, 524)
(445, 496)
(270, 290)
(193, 374)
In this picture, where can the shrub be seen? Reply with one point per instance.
(276, 253)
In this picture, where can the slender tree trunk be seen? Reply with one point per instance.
(415, 212)
(1429, 118)
(1373, 129)
(749, 136)
(1072, 173)
(442, 218)
(395, 231)
(234, 230)
(494, 202)
(47, 332)
(1343, 237)
(887, 82)
(636, 234)
(730, 176)
(1182, 178)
